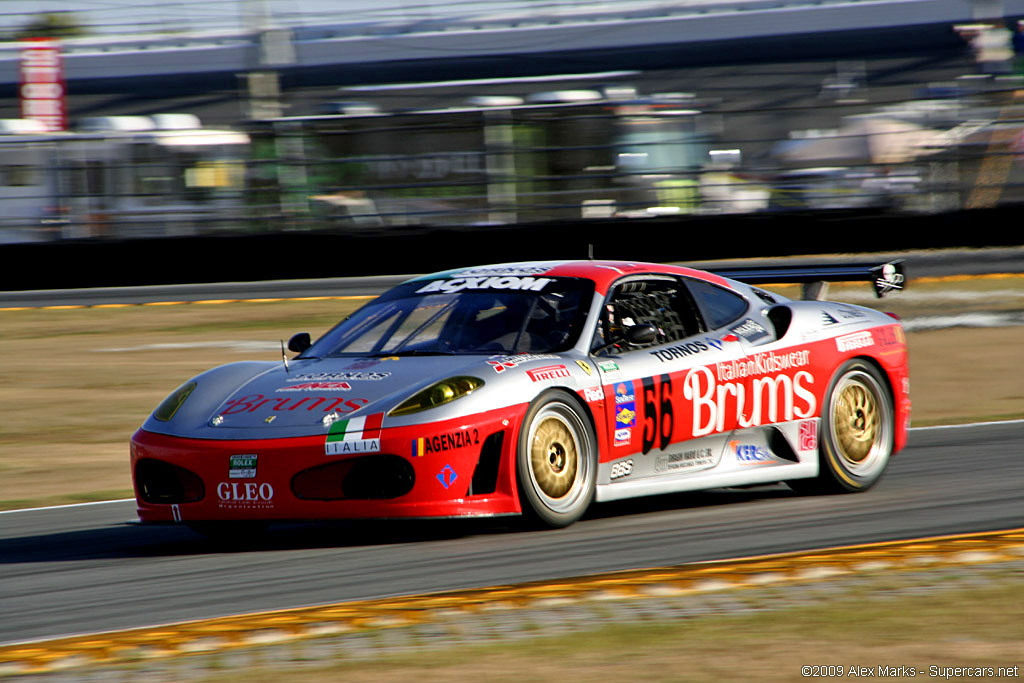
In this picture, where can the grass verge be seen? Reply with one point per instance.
(79, 382)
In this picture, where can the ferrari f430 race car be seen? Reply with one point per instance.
(536, 389)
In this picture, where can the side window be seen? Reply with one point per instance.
(664, 303)
(719, 306)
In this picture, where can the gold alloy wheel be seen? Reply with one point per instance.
(554, 457)
(860, 419)
(856, 419)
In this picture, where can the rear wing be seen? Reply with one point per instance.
(884, 277)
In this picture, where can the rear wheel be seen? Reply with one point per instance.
(556, 461)
(857, 431)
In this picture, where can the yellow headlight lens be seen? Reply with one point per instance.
(438, 394)
(169, 406)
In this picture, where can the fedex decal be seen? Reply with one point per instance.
(770, 389)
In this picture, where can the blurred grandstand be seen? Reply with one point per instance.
(918, 131)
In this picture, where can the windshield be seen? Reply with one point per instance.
(464, 316)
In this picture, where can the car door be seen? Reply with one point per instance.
(662, 392)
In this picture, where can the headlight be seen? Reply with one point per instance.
(169, 406)
(438, 394)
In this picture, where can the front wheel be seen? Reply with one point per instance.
(857, 431)
(556, 461)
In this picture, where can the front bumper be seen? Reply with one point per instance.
(456, 468)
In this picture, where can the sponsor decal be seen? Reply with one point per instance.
(625, 405)
(584, 366)
(252, 402)
(344, 376)
(808, 435)
(857, 340)
(425, 445)
(717, 344)
(694, 347)
(354, 435)
(771, 398)
(242, 466)
(608, 366)
(548, 372)
(622, 469)
(447, 476)
(692, 460)
(749, 454)
(827, 319)
(680, 350)
(503, 363)
(267, 420)
(751, 330)
(245, 495)
(531, 284)
(318, 386)
(507, 269)
(593, 394)
(890, 336)
(889, 279)
(625, 413)
(849, 312)
(762, 364)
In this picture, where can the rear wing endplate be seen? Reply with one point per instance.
(884, 277)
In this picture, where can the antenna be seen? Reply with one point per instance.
(284, 357)
(590, 251)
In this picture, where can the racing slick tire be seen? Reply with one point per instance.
(856, 434)
(556, 461)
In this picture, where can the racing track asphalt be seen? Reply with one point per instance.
(83, 569)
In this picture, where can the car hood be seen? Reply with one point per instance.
(269, 400)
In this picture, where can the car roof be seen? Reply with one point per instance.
(602, 273)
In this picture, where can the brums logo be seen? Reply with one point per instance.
(252, 402)
(770, 399)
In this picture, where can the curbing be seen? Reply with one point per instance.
(266, 628)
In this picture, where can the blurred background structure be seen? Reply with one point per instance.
(213, 118)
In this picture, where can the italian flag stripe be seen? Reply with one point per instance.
(356, 428)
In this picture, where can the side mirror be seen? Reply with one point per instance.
(299, 342)
(641, 334)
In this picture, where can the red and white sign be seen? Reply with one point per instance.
(42, 84)
(548, 372)
(808, 435)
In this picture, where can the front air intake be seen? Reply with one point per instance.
(162, 483)
(369, 477)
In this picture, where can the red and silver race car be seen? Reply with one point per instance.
(536, 389)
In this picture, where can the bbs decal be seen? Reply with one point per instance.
(622, 469)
